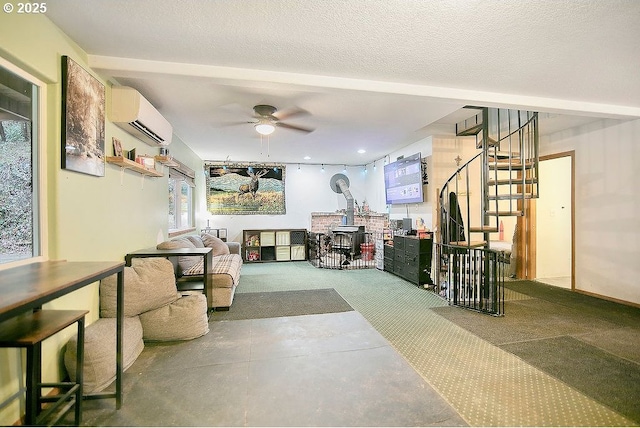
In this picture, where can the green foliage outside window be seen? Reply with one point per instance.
(16, 190)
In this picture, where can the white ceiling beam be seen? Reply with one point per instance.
(115, 65)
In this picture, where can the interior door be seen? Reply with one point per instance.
(554, 220)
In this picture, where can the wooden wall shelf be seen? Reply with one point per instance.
(125, 163)
(166, 161)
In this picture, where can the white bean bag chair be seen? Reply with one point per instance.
(148, 284)
(184, 319)
(99, 368)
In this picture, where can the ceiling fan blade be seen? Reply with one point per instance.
(290, 112)
(232, 123)
(294, 127)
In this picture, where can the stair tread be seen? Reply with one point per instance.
(505, 155)
(505, 213)
(483, 229)
(469, 244)
(511, 197)
(492, 143)
(472, 244)
(514, 160)
(512, 181)
(503, 166)
(473, 130)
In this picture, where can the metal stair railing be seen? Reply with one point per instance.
(474, 277)
(507, 168)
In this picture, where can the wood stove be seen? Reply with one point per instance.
(347, 239)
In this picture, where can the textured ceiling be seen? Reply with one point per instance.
(372, 74)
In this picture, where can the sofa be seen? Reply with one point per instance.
(225, 272)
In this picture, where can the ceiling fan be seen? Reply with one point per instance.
(268, 118)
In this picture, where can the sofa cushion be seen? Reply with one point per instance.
(184, 319)
(225, 271)
(149, 283)
(184, 262)
(220, 247)
(99, 366)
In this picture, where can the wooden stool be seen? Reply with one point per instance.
(28, 331)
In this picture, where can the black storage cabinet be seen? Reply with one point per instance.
(410, 259)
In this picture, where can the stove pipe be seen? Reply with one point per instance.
(344, 187)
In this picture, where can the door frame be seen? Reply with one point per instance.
(526, 253)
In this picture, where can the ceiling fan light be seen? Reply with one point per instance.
(265, 128)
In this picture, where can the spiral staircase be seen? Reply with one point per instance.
(493, 184)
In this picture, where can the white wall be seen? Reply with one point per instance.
(375, 186)
(607, 205)
(307, 190)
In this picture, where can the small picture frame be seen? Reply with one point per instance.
(117, 147)
(148, 162)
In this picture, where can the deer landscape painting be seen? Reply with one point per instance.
(245, 188)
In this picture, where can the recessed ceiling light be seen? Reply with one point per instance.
(362, 151)
(307, 157)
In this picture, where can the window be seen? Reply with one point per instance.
(22, 205)
(180, 200)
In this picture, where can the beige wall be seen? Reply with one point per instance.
(607, 202)
(445, 152)
(90, 218)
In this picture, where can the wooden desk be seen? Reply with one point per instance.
(206, 252)
(27, 288)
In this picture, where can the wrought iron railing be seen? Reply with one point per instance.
(329, 251)
(501, 176)
(472, 278)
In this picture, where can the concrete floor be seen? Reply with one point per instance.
(394, 361)
(311, 370)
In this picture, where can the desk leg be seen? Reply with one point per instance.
(208, 264)
(119, 336)
(34, 373)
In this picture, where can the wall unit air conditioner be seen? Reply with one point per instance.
(133, 113)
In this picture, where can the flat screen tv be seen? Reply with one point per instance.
(403, 180)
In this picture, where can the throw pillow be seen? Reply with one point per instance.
(175, 243)
(184, 262)
(149, 283)
(220, 247)
(196, 241)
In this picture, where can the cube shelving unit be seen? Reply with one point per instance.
(274, 245)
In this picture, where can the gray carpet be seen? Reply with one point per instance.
(526, 320)
(598, 374)
(590, 344)
(603, 309)
(283, 304)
